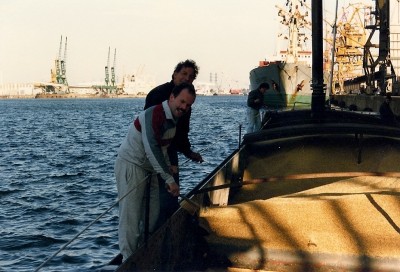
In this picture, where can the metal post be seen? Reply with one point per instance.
(317, 85)
(334, 30)
(240, 134)
(147, 210)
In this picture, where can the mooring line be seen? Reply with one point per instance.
(208, 147)
(88, 226)
(105, 212)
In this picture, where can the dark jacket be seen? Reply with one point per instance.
(253, 96)
(387, 114)
(181, 141)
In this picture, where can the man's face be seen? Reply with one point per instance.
(181, 104)
(185, 75)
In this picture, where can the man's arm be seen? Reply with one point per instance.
(181, 140)
(152, 122)
(255, 100)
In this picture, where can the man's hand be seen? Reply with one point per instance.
(173, 169)
(194, 156)
(172, 188)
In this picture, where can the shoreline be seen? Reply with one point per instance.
(67, 96)
(82, 96)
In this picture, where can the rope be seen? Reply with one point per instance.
(204, 149)
(88, 226)
(102, 214)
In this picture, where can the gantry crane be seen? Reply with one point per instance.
(58, 64)
(64, 65)
(58, 81)
(113, 68)
(110, 85)
(382, 61)
(107, 78)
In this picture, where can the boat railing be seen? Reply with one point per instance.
(115, 203)
(298, 102)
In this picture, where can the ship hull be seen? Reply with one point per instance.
(292, 84)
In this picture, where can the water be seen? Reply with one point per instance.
(56, 174)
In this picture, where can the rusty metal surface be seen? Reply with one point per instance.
(176, 246)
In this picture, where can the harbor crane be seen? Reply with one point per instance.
(61, 74)
(64, 65)
(107, 78)
(58, 64)
(58, 81)
(110, 84)
(382, 61)
(113, 68)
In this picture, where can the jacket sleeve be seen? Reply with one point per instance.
(151, 136)
(181, 140)
(253, 95)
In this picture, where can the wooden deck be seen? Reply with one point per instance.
(313, 223)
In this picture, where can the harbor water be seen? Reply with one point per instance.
(56, 174)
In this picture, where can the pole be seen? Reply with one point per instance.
(317, 85)
(334, 30)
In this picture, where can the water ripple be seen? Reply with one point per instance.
(57, 174)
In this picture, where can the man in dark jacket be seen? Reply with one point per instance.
(255, 101)
(386, 113)
(185, 71)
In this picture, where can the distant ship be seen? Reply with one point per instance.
(289, 75)
(138, 84)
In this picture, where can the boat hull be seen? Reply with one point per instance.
(306, 193)
(293, 83)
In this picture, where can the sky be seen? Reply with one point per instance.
(224, 37)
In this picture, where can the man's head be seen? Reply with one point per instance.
(185, 71)
(181, 99)
(263, 87)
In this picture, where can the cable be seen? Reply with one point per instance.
(105, 212)
(201, 150)
(88, 226)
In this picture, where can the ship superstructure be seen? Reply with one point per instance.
(290, 76)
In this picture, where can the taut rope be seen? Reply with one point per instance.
(105, 212)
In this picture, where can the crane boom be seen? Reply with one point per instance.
(113, 68)
(64, 65)
(58, 63)
(107, 78)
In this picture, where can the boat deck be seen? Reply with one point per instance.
(304, 219)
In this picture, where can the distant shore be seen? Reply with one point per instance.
(80, 96)
(69, 96)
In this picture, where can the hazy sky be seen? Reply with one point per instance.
(227, 37)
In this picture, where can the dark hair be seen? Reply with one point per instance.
(177, 89)
(264, 85)
(186, 64)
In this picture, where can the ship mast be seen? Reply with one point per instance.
(317, 85)
(295, 19)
